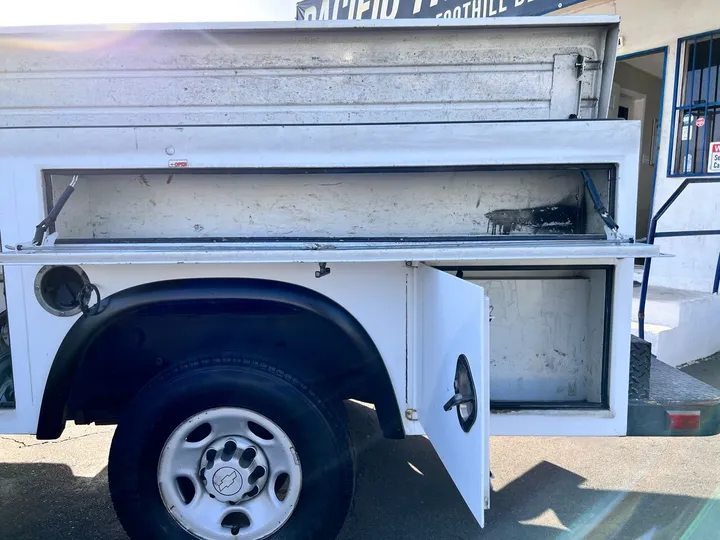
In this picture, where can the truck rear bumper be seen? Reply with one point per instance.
(677, 405)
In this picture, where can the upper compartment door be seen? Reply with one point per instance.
(454, 405)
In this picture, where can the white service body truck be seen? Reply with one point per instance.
(237, 227)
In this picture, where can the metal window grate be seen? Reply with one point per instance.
(697, 106)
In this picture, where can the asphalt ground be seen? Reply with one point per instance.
(544, 488)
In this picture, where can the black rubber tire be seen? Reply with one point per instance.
(7, 396)
(317, 428)
(640, 360)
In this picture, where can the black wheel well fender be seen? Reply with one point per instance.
(106, 357)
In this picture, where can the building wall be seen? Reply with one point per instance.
(649, 24)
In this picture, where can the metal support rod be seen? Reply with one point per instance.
(675, 234)
(652, 234)
(716, 283)
(648, 261)
(52, 216)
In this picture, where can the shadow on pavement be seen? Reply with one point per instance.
(403, 492)
(47, 501)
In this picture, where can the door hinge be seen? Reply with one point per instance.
(411, 414)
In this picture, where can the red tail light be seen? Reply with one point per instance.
(684, 420)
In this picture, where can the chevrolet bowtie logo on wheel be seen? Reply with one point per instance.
(227, 481)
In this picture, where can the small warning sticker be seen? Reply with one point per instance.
(178, 163)
(714, 163)
(700, 122)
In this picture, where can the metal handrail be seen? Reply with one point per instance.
(652, 234)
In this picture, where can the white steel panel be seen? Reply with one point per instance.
(264, 252)
(611, 422)
(540, 339)
(360, 288)
(299, 73)
(453, 324)
(327, 205)
(24, 154)
(485, 382)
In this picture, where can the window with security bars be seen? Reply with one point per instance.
(697, 109)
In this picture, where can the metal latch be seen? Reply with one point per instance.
(324, 270)
(582, 64)
(464, 399)
(411, 414)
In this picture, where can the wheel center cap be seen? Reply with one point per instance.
(227, 481)
(233, 469)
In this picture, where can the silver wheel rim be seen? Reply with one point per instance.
(229, 473)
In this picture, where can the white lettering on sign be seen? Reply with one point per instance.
(363, 6)
(324, 10)
(391, 9)
(714, 163)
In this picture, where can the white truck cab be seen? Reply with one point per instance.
(214, 234)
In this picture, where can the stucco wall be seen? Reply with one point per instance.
(649, 24)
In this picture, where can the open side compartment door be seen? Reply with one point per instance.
(454, 402)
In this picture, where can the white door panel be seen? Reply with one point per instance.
(454, 338)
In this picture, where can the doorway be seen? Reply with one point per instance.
(637, 95)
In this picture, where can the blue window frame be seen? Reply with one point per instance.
(696, 122)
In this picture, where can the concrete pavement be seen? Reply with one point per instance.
(544, 488)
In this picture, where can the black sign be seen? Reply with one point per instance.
(425, 9)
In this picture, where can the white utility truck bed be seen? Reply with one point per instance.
(214, 234)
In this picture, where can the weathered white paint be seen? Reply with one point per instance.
(539, 252)
(337, 205)
(353, 286)
(26, 153)
(596, 330)
(544, 295)
(358, 287)
(587, 423)
(539, 339)
(289, 73)
(454, 323)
